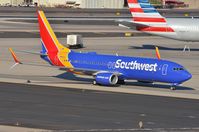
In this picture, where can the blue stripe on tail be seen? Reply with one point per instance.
(44, 51)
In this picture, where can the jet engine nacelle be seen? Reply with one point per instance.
(106, 79)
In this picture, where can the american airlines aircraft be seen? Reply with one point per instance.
(147, 19)
(106, 69)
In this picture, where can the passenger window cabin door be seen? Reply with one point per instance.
(164, 69)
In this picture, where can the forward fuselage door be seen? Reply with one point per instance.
(164, 69)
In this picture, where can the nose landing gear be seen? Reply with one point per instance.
(173, 86)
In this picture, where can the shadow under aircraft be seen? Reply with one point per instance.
(82, 80)
(151, 47)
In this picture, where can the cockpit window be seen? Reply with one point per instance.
(178, 69)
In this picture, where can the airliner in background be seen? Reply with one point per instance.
(146, 18)
(107, 70)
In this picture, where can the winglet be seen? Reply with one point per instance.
(14, 56)
(157, 53)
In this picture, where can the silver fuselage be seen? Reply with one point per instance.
(185, 29)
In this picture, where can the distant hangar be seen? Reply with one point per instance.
(192, 3)
(118, 4)
(83, 3)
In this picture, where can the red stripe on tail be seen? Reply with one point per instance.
(145, 19)
(132, 1)
(45, 35)
(135, 10)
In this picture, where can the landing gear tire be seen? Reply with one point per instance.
(121, 82)
(173, 88)
(94, 82)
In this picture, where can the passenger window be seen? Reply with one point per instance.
(178, 69)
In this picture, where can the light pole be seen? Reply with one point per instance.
(163, 3)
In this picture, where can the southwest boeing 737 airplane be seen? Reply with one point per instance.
(106, 69)
(146, 18)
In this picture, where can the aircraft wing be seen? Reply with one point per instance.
(79, 71)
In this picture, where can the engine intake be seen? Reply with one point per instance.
(106, 79)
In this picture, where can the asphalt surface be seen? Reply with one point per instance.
(127, 46)
(82, 110)
(69, 109)
(29, 29)
(62, 34)
(21, 11)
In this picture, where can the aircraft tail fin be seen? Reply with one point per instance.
(157, 53)
(143, 12)
(48, 37)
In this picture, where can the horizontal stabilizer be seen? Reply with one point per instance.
(130, 24)
(30, 52)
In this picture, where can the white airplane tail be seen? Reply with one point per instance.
(147, 18)
(143, 12)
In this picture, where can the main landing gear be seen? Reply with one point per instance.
(94, 82)
(121, 82)
(186, 48)
(173, 86)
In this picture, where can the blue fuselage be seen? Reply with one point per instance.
(135, 68)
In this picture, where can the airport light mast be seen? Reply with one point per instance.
(163, 3)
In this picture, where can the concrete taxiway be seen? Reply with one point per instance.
(59, 100)
(30, 12)
(134, 46)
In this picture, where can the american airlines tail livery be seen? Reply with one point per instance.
(147, 19)
(106, 69)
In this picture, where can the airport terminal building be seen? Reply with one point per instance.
(117, 4)
(67, 3)
(192, 3)
(11, 2)
(82, 3)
